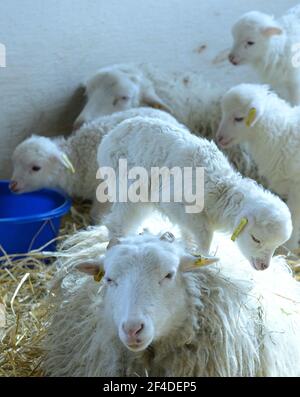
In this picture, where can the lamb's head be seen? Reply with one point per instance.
(117, 88)
(145, 296)
(242, 107)
(252, 35)
(268, 226)
(37, 162)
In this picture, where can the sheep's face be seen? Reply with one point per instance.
(145, 296)
(242, 107)
(114, 90)
(252, 34)
(35, 164)
(267, 229)
(142, 288)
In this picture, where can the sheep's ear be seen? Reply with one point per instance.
(189, 263)
(66, 162)
(150, 98)
(94, 269)
(271, 31)
(112, 242)
(167, 236)
(77, 123)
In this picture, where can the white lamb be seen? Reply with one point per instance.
(272, 48)
(229, 199)
(270, 127)
(157, 313)
(68, 163)
(187, 96)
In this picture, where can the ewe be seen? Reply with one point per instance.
(228, 197)
(187, 96)
(158, 313)
(270, 127)
(68, 163)
(268, 45)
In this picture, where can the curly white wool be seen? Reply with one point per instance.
(188, 96)
(226, 319)
(39, 162)
(228, 197)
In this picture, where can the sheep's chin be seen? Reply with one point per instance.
(227, 144)
(238, 63)
(20, 191)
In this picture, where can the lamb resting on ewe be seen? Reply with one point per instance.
(229, 198)
(268, 46)
(157, 313)
(187, 96)
(270, 127)
(68, 163)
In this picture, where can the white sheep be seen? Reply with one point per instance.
(68, 163)
(189, 97)
(157, 313)
(270, 127)
(229, 198)
(271, 47)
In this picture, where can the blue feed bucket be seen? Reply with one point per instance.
(29, 221)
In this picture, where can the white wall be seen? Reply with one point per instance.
(53, 44)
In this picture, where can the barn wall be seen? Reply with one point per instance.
(51, 46)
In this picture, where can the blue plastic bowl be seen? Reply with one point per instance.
(31, 220)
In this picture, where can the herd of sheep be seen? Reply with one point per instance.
(158, 310)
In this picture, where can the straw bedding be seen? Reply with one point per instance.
(23, 313)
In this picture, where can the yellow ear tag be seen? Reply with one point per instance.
(157, 106)
(251, 116)
(204, 260)
(67, 163)
(99, 276)
(238, 230)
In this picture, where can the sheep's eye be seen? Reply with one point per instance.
(239, 119)
(35, 168)
(109, 280)
(169, 276)
(250, 42)
(255, 239)
(123, 98)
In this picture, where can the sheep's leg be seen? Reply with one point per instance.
(201, 230)
(195, 224)
(98, 210)
(293, 203)
(125, 218)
